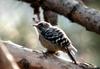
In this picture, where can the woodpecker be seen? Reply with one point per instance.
(55, 39)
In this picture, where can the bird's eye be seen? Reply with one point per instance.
(41, 24)
(47, 24)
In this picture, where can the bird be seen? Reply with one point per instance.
(54, 39)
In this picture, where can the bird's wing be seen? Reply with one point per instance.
(54, 35)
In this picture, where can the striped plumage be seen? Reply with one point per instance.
(54, 39)
(56, 36)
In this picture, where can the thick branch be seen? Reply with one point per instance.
(87, 17)
(75, 11)
(27, 59)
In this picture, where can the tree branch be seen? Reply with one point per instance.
(87, 17)
(50, 16)
(75, 11)
(28, 59)
(6, 59)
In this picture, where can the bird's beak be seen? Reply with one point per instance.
(35, 25)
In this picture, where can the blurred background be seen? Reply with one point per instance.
(16, 26)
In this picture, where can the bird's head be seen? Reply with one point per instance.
(42, 26)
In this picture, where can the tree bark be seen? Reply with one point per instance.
(50, 16)
(75, 11)
(6, 59)
(28, 59)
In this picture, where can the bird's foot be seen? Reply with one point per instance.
(48, 53)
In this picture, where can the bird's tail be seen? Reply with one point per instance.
(72, 49)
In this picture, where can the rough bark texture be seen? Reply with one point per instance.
(87, 17)
(28, 59)
(50, 16)
(75, 11)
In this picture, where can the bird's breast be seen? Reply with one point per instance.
(47, 44)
